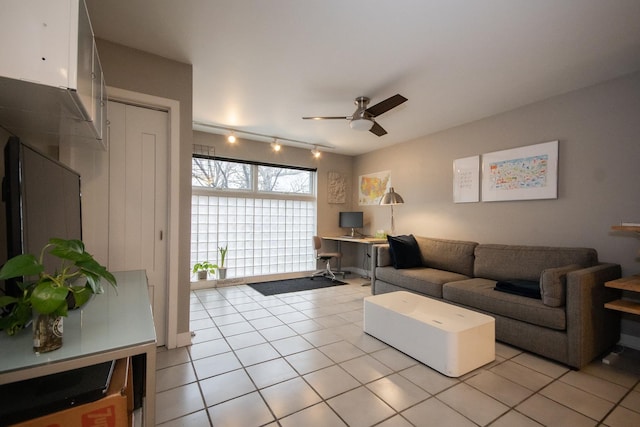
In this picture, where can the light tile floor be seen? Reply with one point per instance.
(301, 359)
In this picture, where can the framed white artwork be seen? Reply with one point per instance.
(466, 180)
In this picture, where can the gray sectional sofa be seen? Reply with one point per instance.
(568, 323)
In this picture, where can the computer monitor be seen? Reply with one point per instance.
(351, 220)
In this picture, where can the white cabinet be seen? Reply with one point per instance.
(51, 82)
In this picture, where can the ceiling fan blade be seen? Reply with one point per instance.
(328, 118)
(386, 105)
(377, 129)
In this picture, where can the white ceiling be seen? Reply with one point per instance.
(261, 65)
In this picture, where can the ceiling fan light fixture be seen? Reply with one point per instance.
(363, 124)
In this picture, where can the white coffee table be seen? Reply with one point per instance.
(448, 338)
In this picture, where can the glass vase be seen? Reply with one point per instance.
(47, 332)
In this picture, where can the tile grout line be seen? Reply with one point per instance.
(304, 309)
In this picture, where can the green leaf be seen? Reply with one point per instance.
(94, 272)
(19, 316)
(72, 250)
(5, 301)
(81, 294)
(47, 297)
(62, 310)
(21, 265)
(73, 245)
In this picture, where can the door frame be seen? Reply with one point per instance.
(172, 106)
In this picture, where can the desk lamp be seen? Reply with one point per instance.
(391, 198)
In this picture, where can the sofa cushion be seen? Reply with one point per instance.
(553, 284)
(525, 288)
(404, 251)
(450, 255)
(506, 262)
(427, 281)
(478, 293)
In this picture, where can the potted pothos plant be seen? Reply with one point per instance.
(203, 268)
(46, 296)
(222, 270)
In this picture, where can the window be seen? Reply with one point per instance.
(283, 180)
(266, 214)
(220, 174)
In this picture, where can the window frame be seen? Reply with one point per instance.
(313, 184)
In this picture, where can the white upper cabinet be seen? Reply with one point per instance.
(51, 81)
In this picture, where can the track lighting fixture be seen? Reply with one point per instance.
(315, 152)
(275, 141)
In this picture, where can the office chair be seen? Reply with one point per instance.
(324, 256)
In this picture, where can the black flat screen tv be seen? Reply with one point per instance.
(42, 199)
(351, 220)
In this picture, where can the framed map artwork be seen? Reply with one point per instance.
(372, 187)
(523, 173)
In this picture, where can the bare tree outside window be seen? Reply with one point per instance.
(211, 173)
(283, 180)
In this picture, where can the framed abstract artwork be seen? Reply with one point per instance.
(522, 173)
(336, 188)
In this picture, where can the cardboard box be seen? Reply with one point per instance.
(113, 410)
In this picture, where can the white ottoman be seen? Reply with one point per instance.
(448, 338)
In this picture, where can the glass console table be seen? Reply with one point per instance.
(114, 325)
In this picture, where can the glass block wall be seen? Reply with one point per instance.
(264, 235)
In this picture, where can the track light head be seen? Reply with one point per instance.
(275, 145)
(231, 138)
(316, 153)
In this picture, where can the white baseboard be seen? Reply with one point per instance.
(203, 284)
(630, 341)
(221, 283)
(183, 339)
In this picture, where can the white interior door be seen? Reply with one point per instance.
(138, 199)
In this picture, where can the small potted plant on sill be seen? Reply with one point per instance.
(48, 297)
(222, 270)
(203, 268)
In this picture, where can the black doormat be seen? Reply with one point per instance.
(294, 285)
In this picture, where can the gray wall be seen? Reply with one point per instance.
(598, 129)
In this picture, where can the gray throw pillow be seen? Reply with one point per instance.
(553, 285)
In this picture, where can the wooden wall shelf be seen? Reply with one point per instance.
(632, 284)
(634, 228)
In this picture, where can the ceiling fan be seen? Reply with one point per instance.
(364, 118)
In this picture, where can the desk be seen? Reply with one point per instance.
(110, 326)
(359, 240)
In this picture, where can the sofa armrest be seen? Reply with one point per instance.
(591, 328)
(380, 257)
